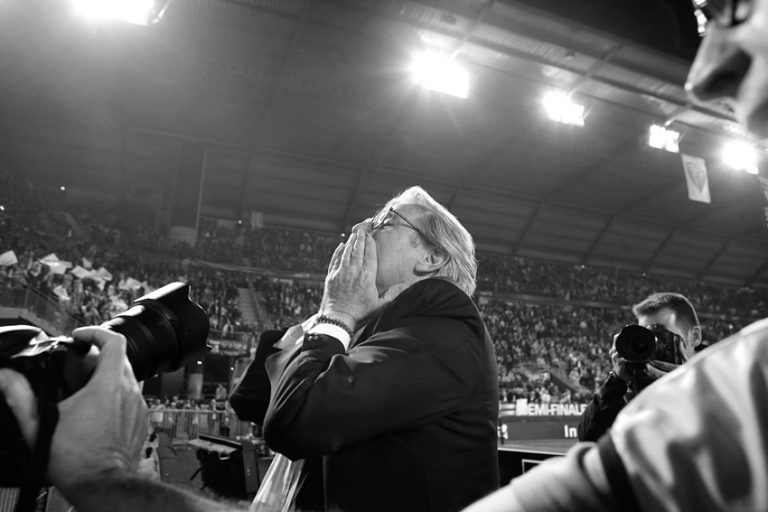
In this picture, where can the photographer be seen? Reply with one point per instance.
(98, 438)
(670, 316)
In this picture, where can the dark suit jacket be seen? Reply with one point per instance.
(405, 420)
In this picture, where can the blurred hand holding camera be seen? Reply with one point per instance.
(101, 427)
(619, 364)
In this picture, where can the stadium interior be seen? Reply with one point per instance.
(275, 125)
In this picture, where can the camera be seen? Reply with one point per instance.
(164, 330)
(638, 345)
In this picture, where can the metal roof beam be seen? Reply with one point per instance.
(754, 277)
(659, 249)
(588, 254)
(526, 228)
(724, 247)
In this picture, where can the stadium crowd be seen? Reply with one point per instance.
(96, 263)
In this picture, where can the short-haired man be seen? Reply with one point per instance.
(393, 384)
(668, 315)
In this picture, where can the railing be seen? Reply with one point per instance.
(181, 425)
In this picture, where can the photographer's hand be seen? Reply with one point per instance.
(619, 364)
(101, 427)
(99, 435)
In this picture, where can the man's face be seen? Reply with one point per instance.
(399, 247)
(668, 318)
(733, 62)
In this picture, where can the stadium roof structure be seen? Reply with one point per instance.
(306, 113)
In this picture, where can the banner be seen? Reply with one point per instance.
(51, 258)
(695, 170)
(79, 272)
(8, 258)
(117, 306)
(129, 284)
(58, 267)
(61, 293)
(104, 274)
(524, 408)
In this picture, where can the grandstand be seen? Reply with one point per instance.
(552, 322)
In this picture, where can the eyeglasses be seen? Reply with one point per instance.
(723, 13)
(384, 215)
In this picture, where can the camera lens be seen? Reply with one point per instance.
(164, 329)
(636, 344)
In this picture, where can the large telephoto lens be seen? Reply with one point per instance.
(636, 344)
(165, 330)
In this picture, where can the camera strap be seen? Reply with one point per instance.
(48, 412)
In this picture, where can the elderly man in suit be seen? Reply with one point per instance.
(392, 385)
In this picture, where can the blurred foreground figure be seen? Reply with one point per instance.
(698, 438)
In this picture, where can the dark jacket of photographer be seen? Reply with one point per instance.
(602, 410)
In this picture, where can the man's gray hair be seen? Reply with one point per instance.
(443, 230)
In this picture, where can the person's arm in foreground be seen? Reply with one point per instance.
(98, 439)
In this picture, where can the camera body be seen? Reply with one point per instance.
(638, 345)
(164, 330)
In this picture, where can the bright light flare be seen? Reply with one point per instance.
(132, 11)
(561, 108)
(660, 137)
(440, 73)
(741, 156)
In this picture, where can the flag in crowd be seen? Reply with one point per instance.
(8, 258)
(100, 277)
(55, 265)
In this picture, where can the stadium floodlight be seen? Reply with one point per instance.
(701, 18)
(660, 137)
(741, 156)
(138, 12)
(561, 108)
(440, 73)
